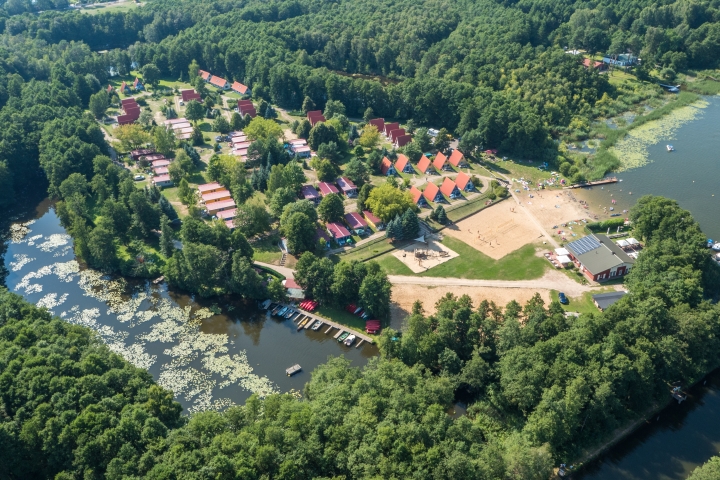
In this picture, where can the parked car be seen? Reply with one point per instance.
(563, 299)
(139, 177)
(182, 103)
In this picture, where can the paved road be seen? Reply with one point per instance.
(288, 272)
(551, 280)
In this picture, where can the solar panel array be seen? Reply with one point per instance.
(584, 245)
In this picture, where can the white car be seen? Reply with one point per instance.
(139, 177)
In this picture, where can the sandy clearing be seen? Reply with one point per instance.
(495, 231)
(553, 207)
(403, 297)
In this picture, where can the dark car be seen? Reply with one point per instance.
(563, 299)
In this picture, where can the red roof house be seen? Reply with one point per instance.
(441, 162)
(457, 159)
(373, 220)
(215, 207)
(588, 63)
(160, 163)
(432, 193)
(315, 116)
(137, 84)
(449, 189)
(327, 188)
(216, 196)
(394, 134)
(190, 94)
(308, 192)
(379, 123)
(403, 164)
(424, 164)
(210, 187)
(386, 167)
(246, 109)
(205, 75)
(464, 183)
(356, 222)
(219, 83)
(227, 214)
(347, 186)
(240, 88)
(402, 140)
(109, 89)
(124, 87)
(162, 181)
(417, 196)
(389, 127)
(338, 232)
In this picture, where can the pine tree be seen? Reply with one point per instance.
(410, 225)
(441, 215)
(394, 229)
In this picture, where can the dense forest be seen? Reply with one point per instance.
(540, 387)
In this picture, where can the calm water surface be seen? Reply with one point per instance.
(690, 174)
(210, 361)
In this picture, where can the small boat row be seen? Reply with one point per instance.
(355, 310)
(309, 305)
(372, 326)
(714, 245)
(283, 311)
(346, 338)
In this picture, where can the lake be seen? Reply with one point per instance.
(210, 361)
(690, 174)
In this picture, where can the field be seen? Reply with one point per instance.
(113, 7)
(495, 231)
(522, 264)
(341, 316)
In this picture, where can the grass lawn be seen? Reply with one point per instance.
(120, 7)
(582, 304)
(522, 264)
(467, 208)
(366, 251)
(341, 316)
(266, 250)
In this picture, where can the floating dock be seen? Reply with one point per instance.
(293, 370)
(312, 318)
(604, 181)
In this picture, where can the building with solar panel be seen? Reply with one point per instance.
(599, 258)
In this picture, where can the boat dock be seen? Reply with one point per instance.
(340, 328)
(293, 370)
(604, 181)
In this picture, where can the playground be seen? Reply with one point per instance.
(420, 257)
(496, 231)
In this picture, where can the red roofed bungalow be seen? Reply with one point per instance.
(389, 127)
(587, 63)
(417, 196)
(240, 88)
(464, 183)
(457, 159)
(449, 189)
(216, 196)
(394, 134)
(402, 140)
(347, 186)
(373, 220)
(136, 154)
(245, 102)
(125, 119)
(432, 193)
(386, 167)
(327, 188)
(155, 156)
(210, 187)
(441, 162)
(339, 233)
(227, 214)
(215, 207)
(137, 84)
(162, 181)
(109, 89)
(247, 110)
(161, 170)
(315, 116)
(125, 101)
(378, 123)
(356, 222)
(403, 164)
(205, 75)
(124, 87)
(190, 94)
(220, 83)
(424, 164)
(308, 192)
(160, 163)
(321, 234)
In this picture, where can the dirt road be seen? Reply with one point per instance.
(551, 280)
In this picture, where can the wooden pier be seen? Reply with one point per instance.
(341, 328)
(604, 181)
(293, 370)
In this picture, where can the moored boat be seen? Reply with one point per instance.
(302, 323)
(670, 148)
(317, 325)
(349, 340)
(342, 337)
